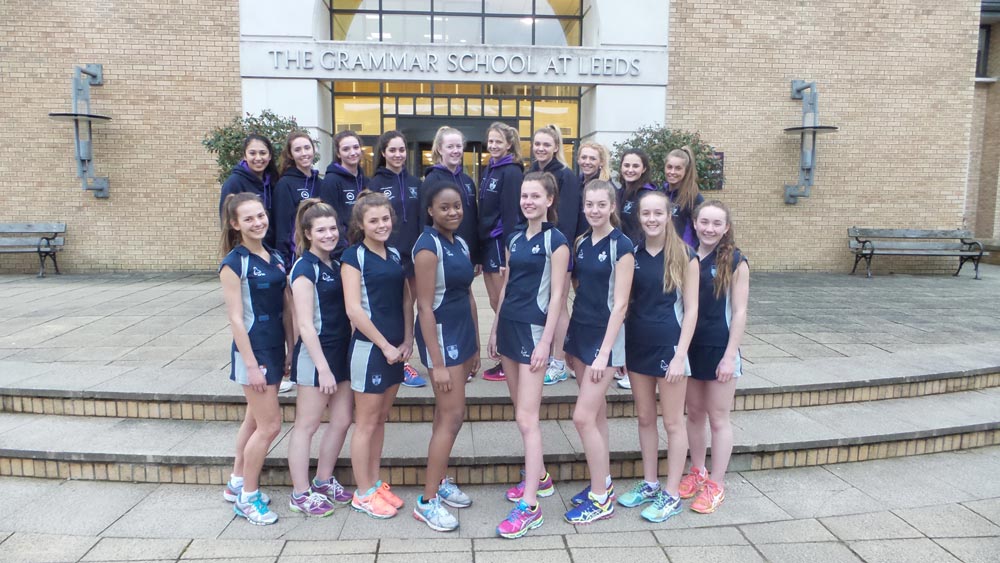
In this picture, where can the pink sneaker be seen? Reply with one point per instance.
(495, 373)
(545, 489)
(520, 520)
(692, 483)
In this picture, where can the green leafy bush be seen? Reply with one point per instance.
(226, 142)
(658, 141)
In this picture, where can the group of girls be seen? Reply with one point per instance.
(660, 295)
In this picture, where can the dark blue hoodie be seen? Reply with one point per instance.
(570, 203)
(468, 230)
(629, 212)
(683, 220)
(292, 189)
(500, 198)
(340, 189)
(240, 180)
(403, 190)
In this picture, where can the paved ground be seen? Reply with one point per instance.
(936, 508)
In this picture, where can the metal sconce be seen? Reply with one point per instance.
(83, 78)
(806, 91)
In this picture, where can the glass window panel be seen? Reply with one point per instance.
(457, 106)
(508, 31)
(559, 7)
(355, 87)
(440, 106)
(361, 114)
(406, 5)
(424, 106)
(562, 114)
(470, 6)
(524, 109)
(351, 4)
(398, 28)
(355, 27)
(558, 32)
(526, 150)
(389, 124)
(509, 7)
(457, 29)
(405, 106)
(475, 108)
(388, 105)
(407, 88)
(468, 88)
(524, 129)
(508, 108)
(491, 107)
(568, 153)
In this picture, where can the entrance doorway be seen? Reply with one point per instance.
(420, 131)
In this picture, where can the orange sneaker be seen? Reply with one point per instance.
(692, 483)
(710, 497)
(382, 488)
(373, 505)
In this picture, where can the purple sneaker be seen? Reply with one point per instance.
(545, 489)
(332, 490)
(520, 520)
(311, 504)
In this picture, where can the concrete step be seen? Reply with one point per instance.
(183, 451)
(179, 394)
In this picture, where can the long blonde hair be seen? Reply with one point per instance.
(510, 135)
(675, 251)
(687, 191)
(603, 159)
(439, 141)
(554, 132)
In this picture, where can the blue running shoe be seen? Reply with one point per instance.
(450, 494)
(255, 511)
(641, 493)
(578, 498)
(662, 508)
(591, 511)
(411, 377)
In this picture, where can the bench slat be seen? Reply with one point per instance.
(7, 228)
(910, 245)
(906, 233)
(928, 253)
(26, 241)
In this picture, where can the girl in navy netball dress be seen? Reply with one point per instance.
(715, 353)
(658, 334)
(403, 191)
(257, 299)
(682, 188)
(547, 150)
(595, 342)
(448, 341)
(522, 333)
(345, 179)
(255, 174)
(380, 308)
(499, 212)
(319, 361)
(299, 181)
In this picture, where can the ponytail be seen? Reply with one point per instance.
(309, 210)
(365, 201)
(686, 193)
(557, 139)
(231, 238)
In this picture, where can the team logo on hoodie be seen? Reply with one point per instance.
(627, 208)
(304, 194)
(493, 185)
(388, 193)
(349, 196)
(413, 192)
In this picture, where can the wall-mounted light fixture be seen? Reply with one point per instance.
(83, 119)
(806, 91)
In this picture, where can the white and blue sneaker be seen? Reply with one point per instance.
(555, 373)
(582, 496)
(450, 494)
(641, 493)
(663, 507)
(434, 515)
(590, 510)
(232, 494)
(254, 510)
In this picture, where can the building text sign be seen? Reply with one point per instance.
(329, 60)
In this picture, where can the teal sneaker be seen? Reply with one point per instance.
(641, 493)
(555, 373)
(255, 511)
(591, 511)
(663, 507)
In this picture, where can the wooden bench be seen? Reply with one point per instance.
(43, 238)
(866, 243)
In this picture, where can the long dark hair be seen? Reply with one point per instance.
(629, 190)
(231, 238)
(383, 143)
(551, 186)
(271, 171)
(287, 160)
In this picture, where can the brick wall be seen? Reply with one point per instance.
(171, 72)
(896, 77)
(988, 218)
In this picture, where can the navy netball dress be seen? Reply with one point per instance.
(715, 316)
(653, 326)
(595, 297)
(329, 318)
(529, 287)
(262, 285)
(456, 333)
(382, 300)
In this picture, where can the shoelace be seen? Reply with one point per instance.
(517, 515)
(447, 486)
(258, 505)
(315, 499)
(662, 500)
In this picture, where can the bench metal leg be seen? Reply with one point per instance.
(56, 264)
(975, 263)
(868, 266)
(961, 262)
(857, 258)
(41, 262)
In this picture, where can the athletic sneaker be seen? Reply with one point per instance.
(385, 490)
(286, 386)
(663, 507)
(373, 505)
(232, 494)
(411, 378)
(310, 504)
(624, 383)
(555, 373)
(332, 490)
(545, 489)
(578, 498)
(710, 497)
(495, 373)
(521, 519)
(591, 511)
(692, 483)
(620, 373)
(450, 494)
(255, 511)
(434, 515)
(641, 493)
